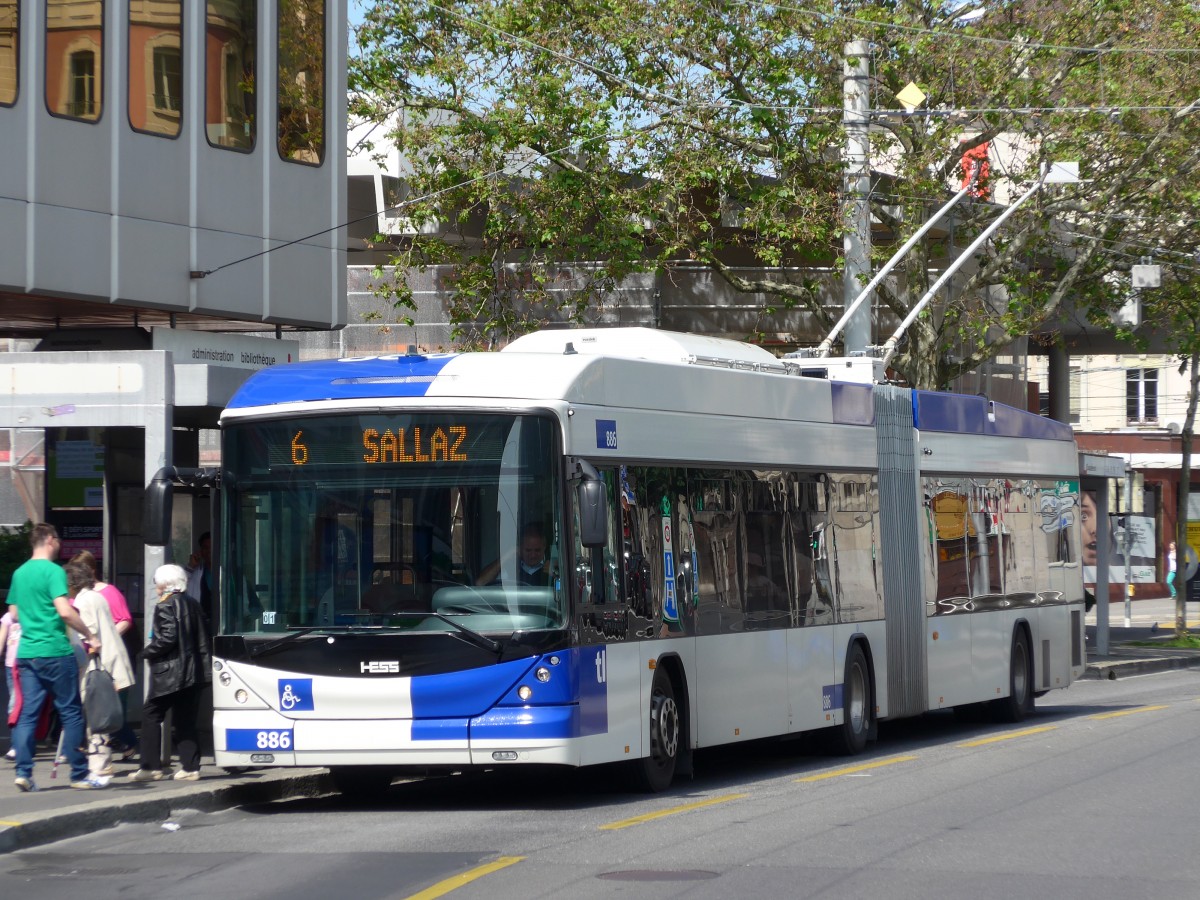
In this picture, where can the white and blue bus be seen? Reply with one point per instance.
(611, 545)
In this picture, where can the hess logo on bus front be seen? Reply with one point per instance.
(379, 667)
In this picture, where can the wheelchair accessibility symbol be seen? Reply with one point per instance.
(295, 694)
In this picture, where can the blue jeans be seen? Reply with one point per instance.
(59, 677)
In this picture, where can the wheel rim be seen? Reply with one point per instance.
(856, 708)
(664, 731)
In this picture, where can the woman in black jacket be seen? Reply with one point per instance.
(180, 667)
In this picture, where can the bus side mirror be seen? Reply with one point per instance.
(593, 513)
(156, 509)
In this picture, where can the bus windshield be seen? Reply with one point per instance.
(382, 520)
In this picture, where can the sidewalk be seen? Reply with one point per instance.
(1151, 620)
(56, 812)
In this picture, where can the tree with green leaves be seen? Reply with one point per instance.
(648, 135)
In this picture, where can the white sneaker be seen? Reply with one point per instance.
(184, 775)
(146, 775)
(91, 783)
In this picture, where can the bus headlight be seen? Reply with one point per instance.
(241, 696)
(225, 678)
(524, 692)
(543, 674)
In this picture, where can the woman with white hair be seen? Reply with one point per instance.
(180, 666)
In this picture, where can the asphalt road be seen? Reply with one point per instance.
(1093, 797)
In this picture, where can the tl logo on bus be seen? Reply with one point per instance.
(601, 667)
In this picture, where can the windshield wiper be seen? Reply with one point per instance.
(479, 640)
(260, 649)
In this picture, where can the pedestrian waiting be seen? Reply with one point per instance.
(180, 667)
(96, 614)
(46, 663)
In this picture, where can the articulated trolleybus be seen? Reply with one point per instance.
(598, 546)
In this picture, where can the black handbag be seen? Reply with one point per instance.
(101, 704)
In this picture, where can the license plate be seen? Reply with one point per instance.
(258, 739)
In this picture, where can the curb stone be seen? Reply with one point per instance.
(74, 821)
(1122, 663)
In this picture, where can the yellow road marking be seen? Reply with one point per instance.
(1008, 737)
(1126, 712)
(454, 882)
(649, 817)
(850, 770)
(10, 824)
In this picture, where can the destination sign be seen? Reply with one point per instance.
(385, 440)
(415, 444)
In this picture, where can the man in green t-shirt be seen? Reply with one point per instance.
(45, 661)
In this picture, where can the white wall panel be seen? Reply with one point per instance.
(13, 244)
(71, 251)
(742, 682)
(950, 677)
(152, 263)
(810, 668)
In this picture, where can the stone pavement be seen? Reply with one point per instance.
(56, 811)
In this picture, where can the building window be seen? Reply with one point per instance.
(75, 58)
(230, 67)
(10, 42)
(1141, 396)
(168, 79)
(82, 103)
(156, 67)
(301, 99)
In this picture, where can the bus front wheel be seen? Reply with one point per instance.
(654, 773)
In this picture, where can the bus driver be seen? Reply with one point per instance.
(532, 569)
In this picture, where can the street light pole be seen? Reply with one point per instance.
(856, 115)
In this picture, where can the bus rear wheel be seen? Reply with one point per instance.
(1019, 702)
(654, 773)
(361, 782)
(858, 711)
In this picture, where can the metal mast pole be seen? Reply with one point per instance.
(857, 189)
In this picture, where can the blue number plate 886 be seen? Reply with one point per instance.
(258, 739)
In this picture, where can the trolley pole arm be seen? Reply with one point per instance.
(826, 345)
(889, 348)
